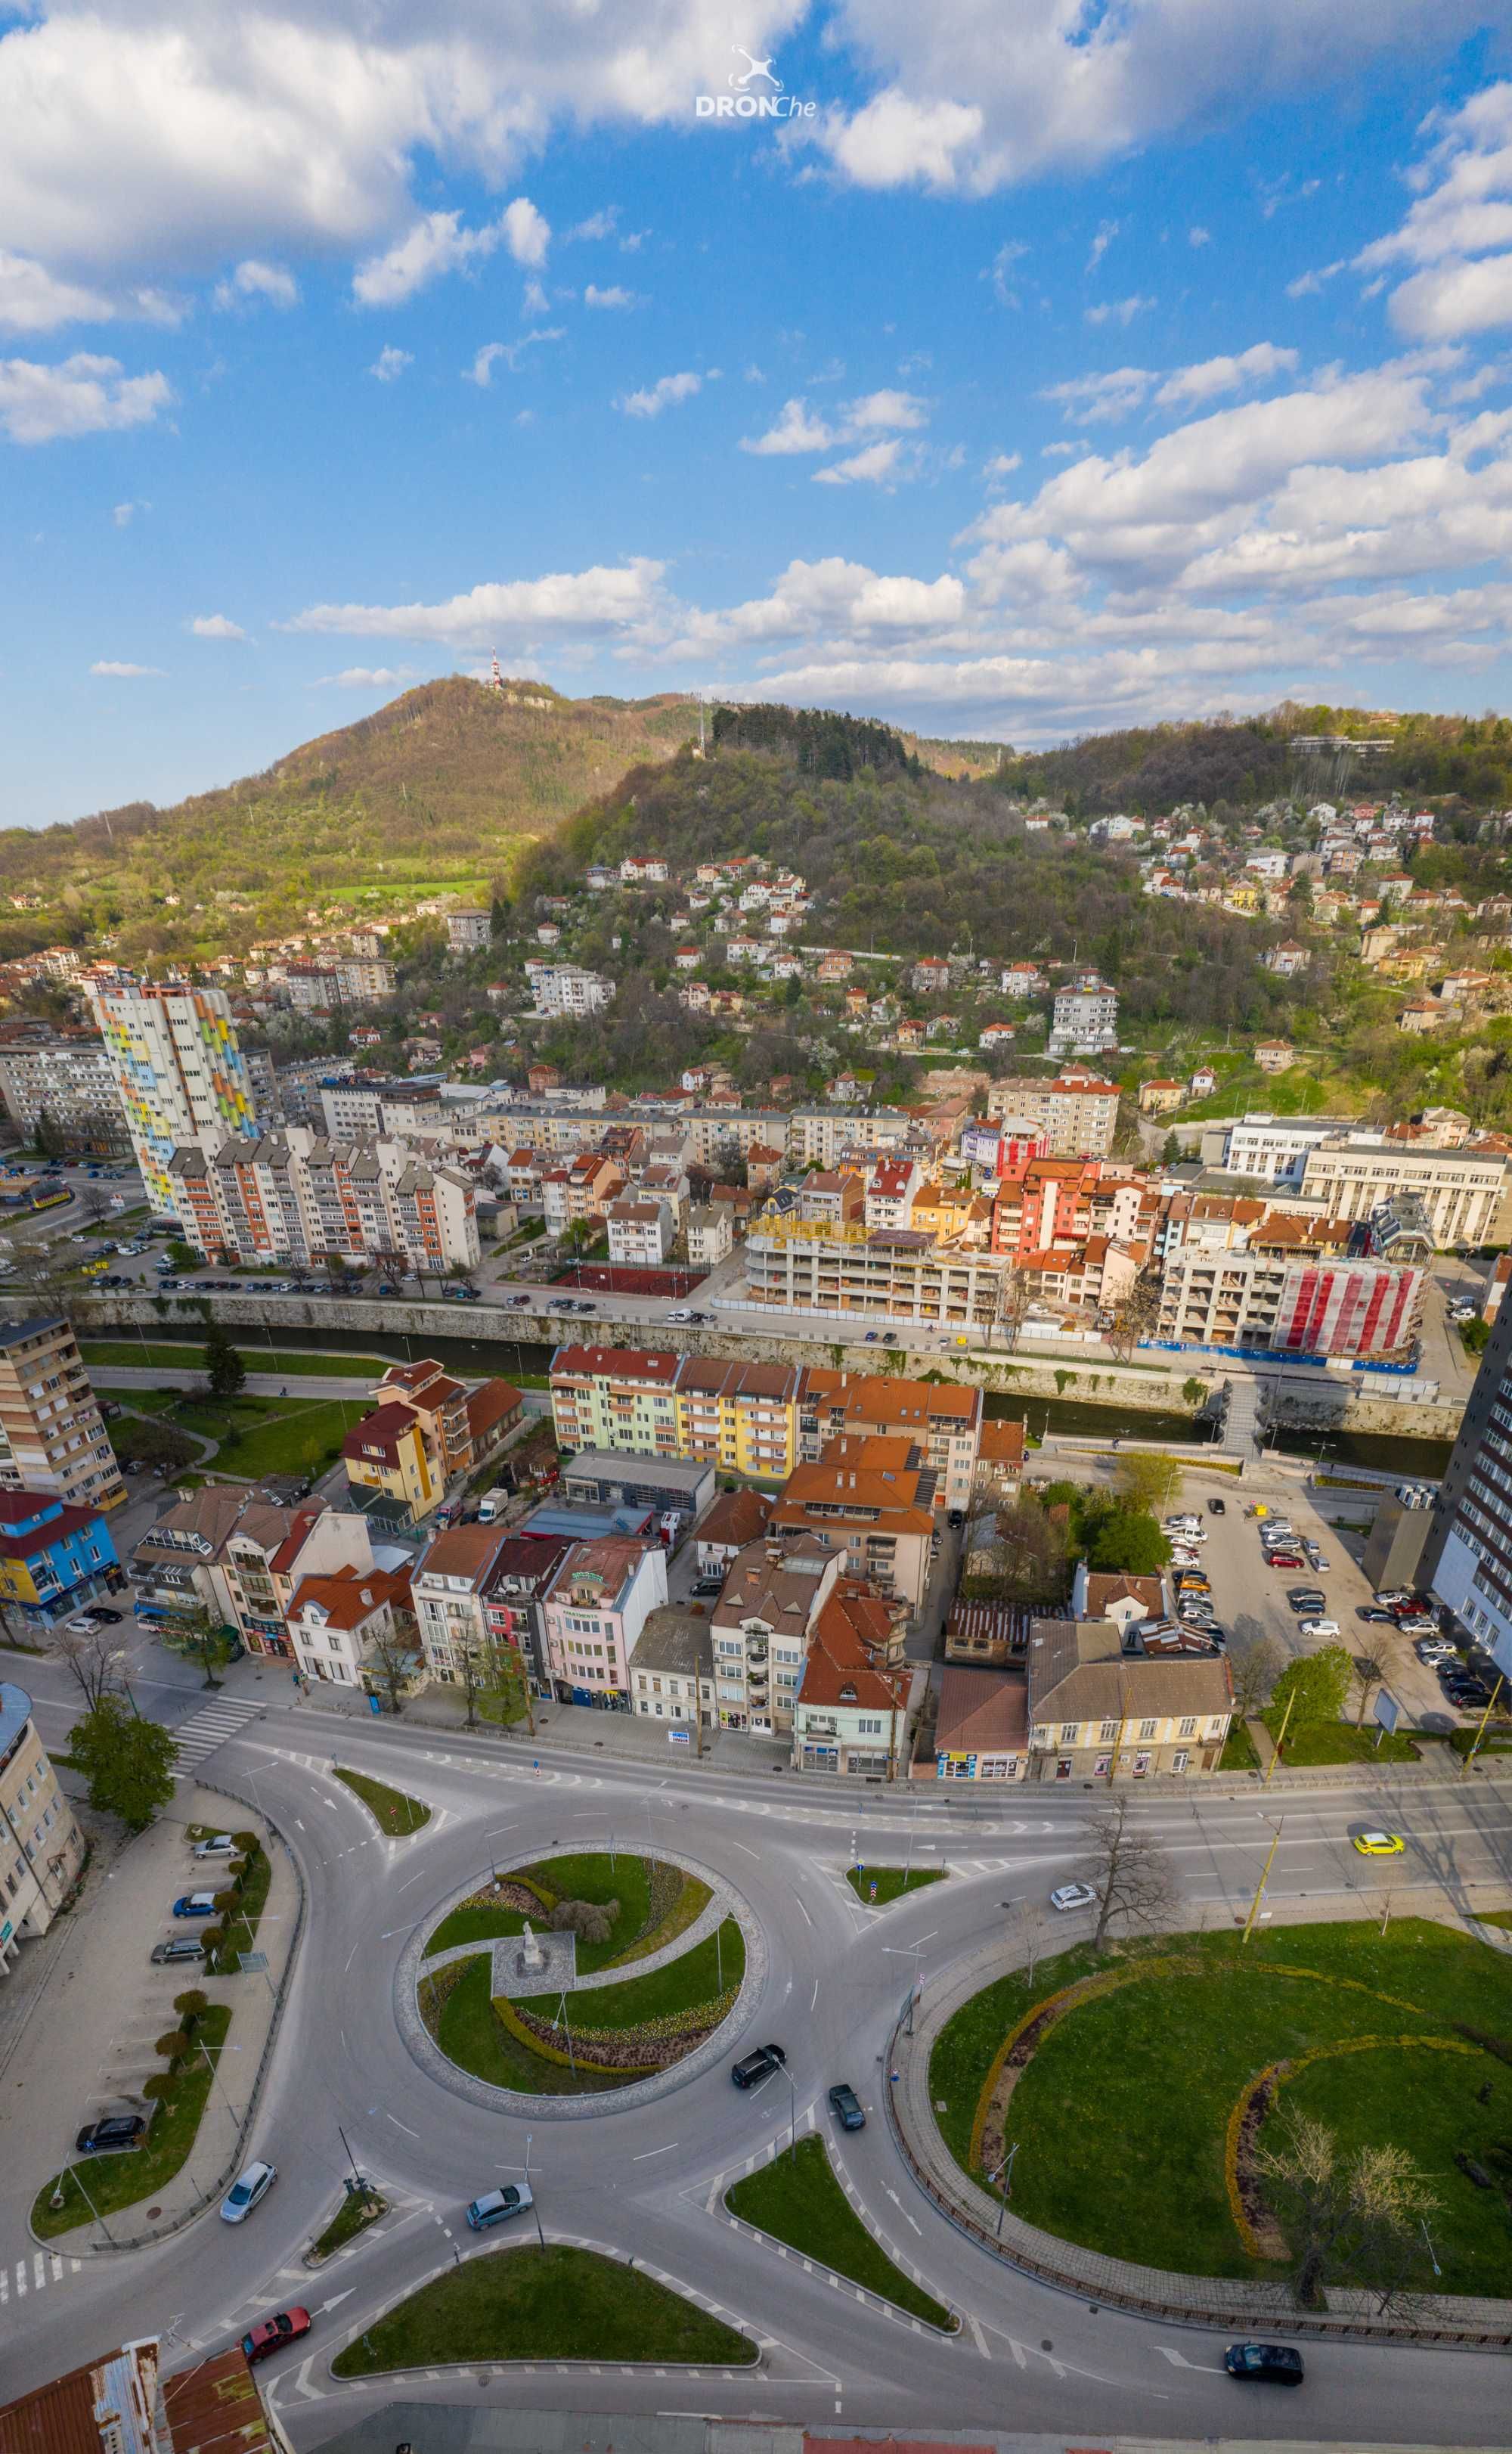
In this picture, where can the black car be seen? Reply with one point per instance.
(758, 2065)
(1265, 2363)
(957, 1516)
(845, 2107)
(1375, 1617)
(1216, 1508)
(1306, 1597)
(114, 2130)
(101, 1611)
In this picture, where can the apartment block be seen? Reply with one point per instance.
(390, 1464)
(41, 1846)
(1293, 1303)
(944, 1422)
(1464, 1192)
(180, 1075)
(872, 1499)
(296, 1198)
(52, 1556)
(360, 1111)
(1076, 1111)
(566, 987)
(797, 1265)
(52, 1437)
(593, 1612)
(743, 1417)
(773, 1594)
(818, 1135)
(1467, 1556)
(62, 1084)
(616, 1397)
(1085, 1017)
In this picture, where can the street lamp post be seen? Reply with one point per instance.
(1004, 2174)
(534, 2208)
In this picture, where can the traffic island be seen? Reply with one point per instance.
(556, 2303)
(358, 2209)
(797, 2199)
(1203, 2055)
(879, 1886)
(393, 1813)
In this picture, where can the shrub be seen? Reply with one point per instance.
(174, 2046)
(225, 1902)
(211, 1938)
(191, 2008)
(586, 1919)
(159, 2088)
(248, 1844)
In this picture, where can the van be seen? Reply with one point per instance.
(490, 1507)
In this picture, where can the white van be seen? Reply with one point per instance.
(490, 1507)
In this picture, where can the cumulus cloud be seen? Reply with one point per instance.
(254, 280)
(604, 598)
(81, 395)
(1211, 376)
(876, 465)
(668, 391)
(1120, 310)
(1458, 234)
(108, 669)
(1090, 400)
(797, 429)
(33, 300)
(1004, 270)
(439, 243)
(366, 678)
(216, 626)
(1197, 236)
(122, 514)
(1106, 234)
(390, 363)
(511, 352)
(612, 296)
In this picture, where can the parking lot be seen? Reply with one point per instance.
(1251, 1597)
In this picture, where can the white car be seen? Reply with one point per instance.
(1320, 1627)
(219, 1845)
(244, 2193)
(1073, 1896)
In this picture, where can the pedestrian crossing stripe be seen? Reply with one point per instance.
(34, 2275)
(207, 1730)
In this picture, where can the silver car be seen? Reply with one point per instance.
(244, 2194)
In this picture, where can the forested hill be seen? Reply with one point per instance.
(437, 789)
(912, 863)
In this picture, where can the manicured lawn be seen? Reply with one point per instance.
(185, 1356)
(799, 2200)
(1486, 1917)
(390, 1809)
(592, 1876)
(470, 2036)
(114, 2182)
(892, 1881)
(1331, 1742)
(262, 1435)
(526, 2304)
(1145, 2181)
(683, 1986)
(1238, 1750)
(353, 2216)
(687, 1909)
(241, 1927)
(475, 1923)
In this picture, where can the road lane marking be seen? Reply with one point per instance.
(978, 2335)
(653, 2151)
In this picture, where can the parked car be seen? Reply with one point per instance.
(758, 2065)
(194, 1904)
(113, 2131)
(178, 1948)
(1304, 1597)
(1287, 1559)
(1216, 1508)
(219, 1845)
(249, 2192)
(270, 2334)
(681, 1313)
(497, 2207)
(1375, 1617)
(1434, 1649)
(708, 1586)
(1320, 1627)
(1073, 1896)
(1263, 2363)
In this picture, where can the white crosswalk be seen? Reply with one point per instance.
(207, 1730)
(34, 2273)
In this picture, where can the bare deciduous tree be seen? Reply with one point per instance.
(96, 1661)
(391, 1664)
(1254, 1671)
(1352, 2217)
(1133, 1877)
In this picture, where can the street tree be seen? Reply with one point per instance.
(1147, 1481)
(1314, 1686)
(1135, 1315)
(96, 1661)
(94, 1201)
(1127, 1541)
(391, 1665)
(1369, 1673)
(1352, 2218)
(1133, 1877)
(1254, 1670)
(223, 1368)
(128, 1762)
(205, 1640)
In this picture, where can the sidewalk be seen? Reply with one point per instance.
(626, 1736)
(89, 2042)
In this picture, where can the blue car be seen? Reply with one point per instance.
(194, 1904)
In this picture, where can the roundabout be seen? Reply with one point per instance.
(538, 1988)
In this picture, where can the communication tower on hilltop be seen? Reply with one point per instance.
(496, 678)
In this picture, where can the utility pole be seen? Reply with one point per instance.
(1279, 1734)
(1475, 1743)
(1260, 1888)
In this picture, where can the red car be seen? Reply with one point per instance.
(1285, 1558)
(268, 2333)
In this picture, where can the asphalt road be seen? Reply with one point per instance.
(650, 2182)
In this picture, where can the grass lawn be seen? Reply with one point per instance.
(1486, 1917)
(469, 2035)
(184, 1355)
(526, 2304)
(799, 2200)
(892, 1881)
(241, 1927)
(390, 1809)
(262, 1435)
(592, 1876)
(1146, 2179)
(1238, 1750)
(353, 2216)
(114, 2182)
(682, 1985)
(473, 1922)
(1331, 1742)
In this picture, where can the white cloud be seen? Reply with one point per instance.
(439, 244)
(390, 363)
(1120, 310)
(613, 296)
(874, 466)
(123, 513)
(599, 225)
(1458, 234)
(1212, 375)
(888, 410)
(110, 670)
(367, 677)
(590, 602)
(667, 393)
(216, 626)
(797, 429)
(533, 300)
(253, 279)
(81, 395)
(481, 370)
(1106, 234)
(33, 300)
(1197, 236)
(1446, 301)
(1310, 284)
(1004, 280)
(1088, 400)
(1002, 464)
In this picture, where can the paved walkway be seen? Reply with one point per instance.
(715, 1910)
(1116, 2280)
(90, 2045)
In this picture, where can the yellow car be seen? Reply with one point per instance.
(95, 1269)
(1378, 1845)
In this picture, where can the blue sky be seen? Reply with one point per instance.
(1064, 366)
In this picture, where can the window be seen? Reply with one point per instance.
(1186, 1729)
(1070, 1732)
(1108, 1733)
(1146, 1729)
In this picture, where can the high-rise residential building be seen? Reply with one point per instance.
(52, 1437)
(59, 1087)
(180, 1075)
(41, 1847)
(1467, 1558)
